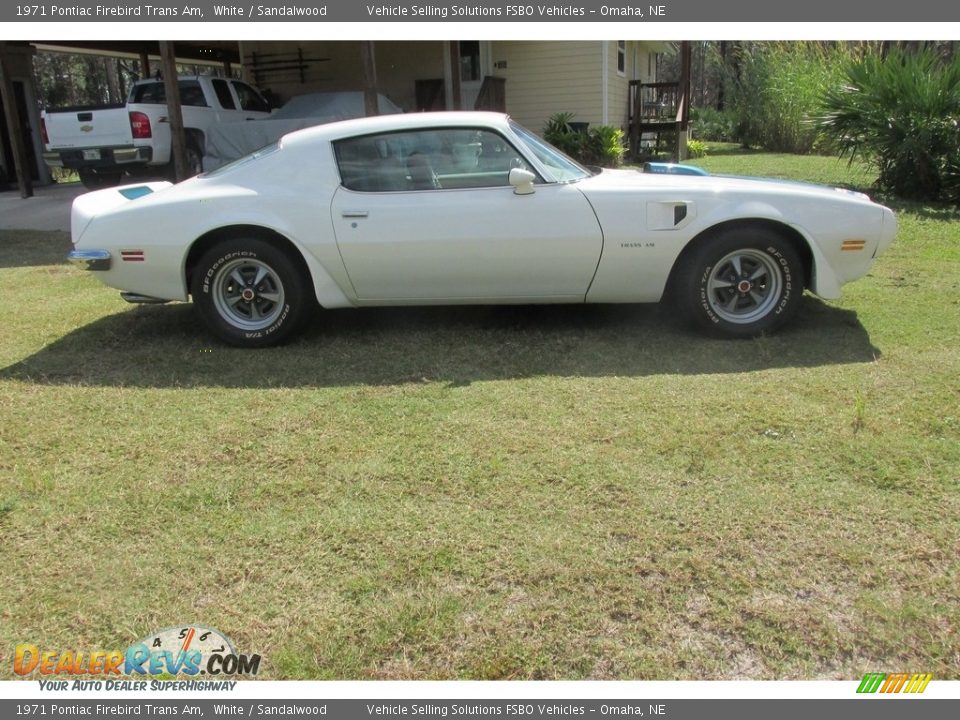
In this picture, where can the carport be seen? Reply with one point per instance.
(20, 152)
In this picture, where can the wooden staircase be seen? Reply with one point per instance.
(661, 109)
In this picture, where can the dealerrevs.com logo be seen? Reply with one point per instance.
(888, 683)
(182, 650)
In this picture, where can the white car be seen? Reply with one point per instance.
(468, 208)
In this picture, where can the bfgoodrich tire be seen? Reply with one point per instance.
(250, 293)
(741, 283)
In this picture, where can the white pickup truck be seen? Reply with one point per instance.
(105, 143)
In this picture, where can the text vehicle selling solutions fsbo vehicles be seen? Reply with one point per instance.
(468, 208)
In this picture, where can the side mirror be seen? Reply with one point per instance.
(522, 181)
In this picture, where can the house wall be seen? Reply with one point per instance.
(618, 83)
(319, 76)
(399, 65)
(639, 65)
(544, 78)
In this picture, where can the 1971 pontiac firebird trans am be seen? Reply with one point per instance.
(467, 208)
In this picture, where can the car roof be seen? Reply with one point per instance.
(394, 123)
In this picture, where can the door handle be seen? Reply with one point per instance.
(355, 213)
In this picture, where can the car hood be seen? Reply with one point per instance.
(625, 178)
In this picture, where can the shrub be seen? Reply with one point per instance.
(778, 86)
(696, 148)
(559, 133)
(709, 124)
(902, 114)
(603, 145)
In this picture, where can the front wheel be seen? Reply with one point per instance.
(250, 293)
(741, 283)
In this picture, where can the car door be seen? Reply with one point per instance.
(430, 216)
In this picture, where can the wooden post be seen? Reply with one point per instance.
(14, 127)
(455, 75)
(178, 138)
(144, 66)
(371, 106)
(683, 102)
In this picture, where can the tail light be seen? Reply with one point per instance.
(140, 126)
(43, 132)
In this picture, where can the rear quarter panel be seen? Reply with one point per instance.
(288, 193)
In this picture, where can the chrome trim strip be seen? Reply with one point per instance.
(137, 299)
(92, 259)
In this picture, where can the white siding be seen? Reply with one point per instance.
(544, 78)
(618, 84)
(636, 67)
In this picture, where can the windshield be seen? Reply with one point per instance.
(560, 166)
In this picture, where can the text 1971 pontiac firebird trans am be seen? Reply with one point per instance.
(468, 208)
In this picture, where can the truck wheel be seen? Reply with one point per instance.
(194, 159)
(96, 179)
(194, 163)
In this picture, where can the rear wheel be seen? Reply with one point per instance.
(743, 282)
(250, 293)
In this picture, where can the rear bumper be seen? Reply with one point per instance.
(91, 259)
(98, 158)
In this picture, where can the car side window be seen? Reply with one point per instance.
(222, 90)
(249, 98)
(435, 159)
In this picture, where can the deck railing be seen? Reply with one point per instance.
(655, 108)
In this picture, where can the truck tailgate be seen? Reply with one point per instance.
(86, 128)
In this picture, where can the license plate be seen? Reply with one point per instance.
(91, 154)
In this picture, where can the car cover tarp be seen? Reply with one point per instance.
(228, 141)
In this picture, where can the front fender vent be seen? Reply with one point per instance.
(669, 215)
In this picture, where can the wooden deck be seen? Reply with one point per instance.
(661, 110)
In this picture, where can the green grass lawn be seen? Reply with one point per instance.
(578, 492)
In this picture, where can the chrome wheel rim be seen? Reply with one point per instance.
(744, 286)
(248, 294)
